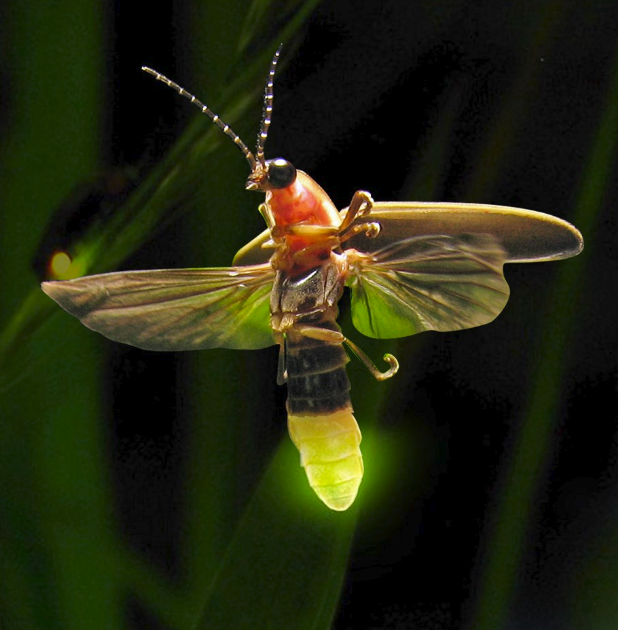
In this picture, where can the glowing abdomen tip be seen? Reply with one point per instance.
(330, 453)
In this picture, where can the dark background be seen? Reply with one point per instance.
(492, 102)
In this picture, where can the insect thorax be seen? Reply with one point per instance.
(309, 296)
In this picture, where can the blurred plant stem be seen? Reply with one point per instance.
(506, 535)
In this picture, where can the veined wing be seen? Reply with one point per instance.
(174, 309)
(526, 235)
(428, 283)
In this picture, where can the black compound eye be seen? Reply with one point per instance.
(281, 173)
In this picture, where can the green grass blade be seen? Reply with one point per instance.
(54, 504)
(283, 567)
(516, 103)
(509, 527)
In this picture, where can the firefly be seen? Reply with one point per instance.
(410, 267)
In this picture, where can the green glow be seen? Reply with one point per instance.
(59, 264)
(330, 453)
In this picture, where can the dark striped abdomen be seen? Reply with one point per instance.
(320, 419)
(316, 376)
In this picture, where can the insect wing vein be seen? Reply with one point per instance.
(174, 309)
(429, 283)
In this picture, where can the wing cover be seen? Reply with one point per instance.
(428, 283)
(174, 309)
(526, 235)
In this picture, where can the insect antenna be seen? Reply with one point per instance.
(268, 109)
(227, 130)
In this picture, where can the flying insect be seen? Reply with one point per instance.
(410, 267)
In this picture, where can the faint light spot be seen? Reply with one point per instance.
(59, 264)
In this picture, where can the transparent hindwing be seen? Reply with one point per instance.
(428, 283)
(174, 309)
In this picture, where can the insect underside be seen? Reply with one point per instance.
(410, 267)
(312, 363)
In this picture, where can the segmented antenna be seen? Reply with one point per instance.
(268, 109)
(227, 130)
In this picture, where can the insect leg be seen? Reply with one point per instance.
(379, 376)
(371, 229)
(333, 336)
(323, 334)
(282, 368)
(360, 206)
(353, 223)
